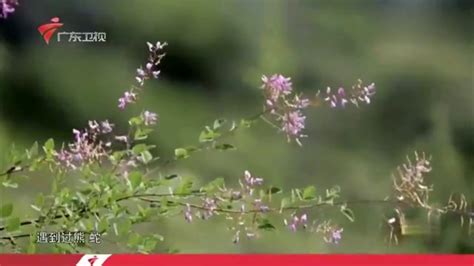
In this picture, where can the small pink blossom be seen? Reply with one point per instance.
(7, 7)
(188, 215)
(275, 86)
(335, 235)
(358, 94)
(149, 118)
(87, 147)
(127, 98)
(296, 221)
(292, 124)
(150, 71)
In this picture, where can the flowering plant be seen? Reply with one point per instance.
(122, 183)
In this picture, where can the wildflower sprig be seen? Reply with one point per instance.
(285, 107)
(144, 73)
(411, 190)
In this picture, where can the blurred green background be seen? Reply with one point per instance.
(419, 54)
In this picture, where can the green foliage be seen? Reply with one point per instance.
(348, 213)
(48, 149)
(224, 147)
(214, 185)
(266, 225)
(208, 135)
(6, 210)
(184, 188)
(135, 179)
(181, 153)
(273, 190)
(309, 193)
(13, 224)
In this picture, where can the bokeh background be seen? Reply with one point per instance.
(419, 54)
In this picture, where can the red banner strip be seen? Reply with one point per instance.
(234, 260)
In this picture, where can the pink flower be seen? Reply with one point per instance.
(128, 97)
(143, 74)
(358, 94)
(86, 148)
(296, 221)
(276, 86)
(188, 215)
(7, 7)
(338, 99)
(335, 235)
(106, 127)
(149, 118)
(252, 181)
(299, 103)
(292, 124)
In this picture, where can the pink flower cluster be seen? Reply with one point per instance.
(332, 234)
(127, 98)
(358, 94)
(250, 182)
(188, 213)
(296, 221)
(149, 118)
(275, 87)
(7, 7)
(143, 74)
(284, 105)
(87, 146)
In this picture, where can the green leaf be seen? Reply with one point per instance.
(33, 151)
(333, 192)
(273, 190)
(103, 225)
(135, 179)
(245, 123)
(31, 248)
(135, 121)
(214, 185)
(233, 127)
(266, 225)
(181, 153)
(348, 213)
(36, 208)
(184, 188)
(116, 156)
(48, 149)
(124, 227)
(158, 237)
(208, 135)
(139, 148)
(134, 240)
(149, 244)
(13, 224)
(285, 202)
(142, 133)
(146, 157)
(10, 184)
(218, 123)
(169, 177)
(298, 194)
(49, 145)
(39, 199)
(309, 193)
(6, 210)
(224, 147)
